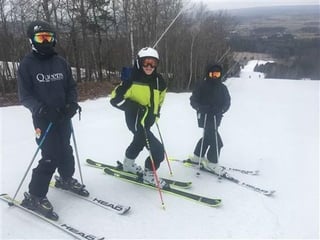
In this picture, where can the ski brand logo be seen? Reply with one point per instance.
(49, 77)
(37, 28)
(104, 203)
(84, 235)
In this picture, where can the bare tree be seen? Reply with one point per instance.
(98, 37)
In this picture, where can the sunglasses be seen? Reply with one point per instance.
(214, 74)
(42, 37)
(149, 62)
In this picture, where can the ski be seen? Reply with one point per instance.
(65, 227)
(243, 171)
(227, 176)
(212, 202)
(109, 205)
(118, 168)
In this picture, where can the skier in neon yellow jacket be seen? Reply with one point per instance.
(141, 98)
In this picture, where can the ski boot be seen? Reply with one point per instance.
(72, 185)
(130, 166)
(149, 178)
(39, 205)
(214, 167)
(194, 159)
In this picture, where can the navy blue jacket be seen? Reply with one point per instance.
(212, 94)
(45, 81)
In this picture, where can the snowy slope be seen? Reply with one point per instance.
(272, 125)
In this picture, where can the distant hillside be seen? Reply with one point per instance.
(300, 21)
(276, 10)
(289, 34)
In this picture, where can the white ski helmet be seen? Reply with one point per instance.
(148, 52)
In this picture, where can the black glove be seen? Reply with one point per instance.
(71, 109)
(114, 102)
(50, 114)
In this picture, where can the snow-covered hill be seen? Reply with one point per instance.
(272, 125)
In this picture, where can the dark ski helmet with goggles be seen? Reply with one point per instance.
(214, 72)
(42, 37)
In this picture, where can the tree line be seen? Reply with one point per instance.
(99, 37)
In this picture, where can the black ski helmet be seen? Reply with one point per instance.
(46, 48)
(39, 26)
(214, 68)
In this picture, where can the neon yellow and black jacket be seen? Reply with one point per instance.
(141, 97)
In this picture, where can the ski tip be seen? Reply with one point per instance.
(218, 203)
(126, 210)
(270, 193)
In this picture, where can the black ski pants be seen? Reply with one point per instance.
(209, 143)
(140, 141)
(56, 154)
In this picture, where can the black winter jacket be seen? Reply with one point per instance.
(45, 81)
(213, 96)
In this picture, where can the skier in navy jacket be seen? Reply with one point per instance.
(46, 87)
(211, 99)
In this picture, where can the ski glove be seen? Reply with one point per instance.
(50, 114)
(71, 109)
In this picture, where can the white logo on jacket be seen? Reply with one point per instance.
(49, 77)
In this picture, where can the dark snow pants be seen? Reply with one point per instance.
(56, 154)
(139, 142)
(209, 143)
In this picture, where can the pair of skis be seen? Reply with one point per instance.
(228, 176)
(66, 227)
(120, 209)
(171, 188)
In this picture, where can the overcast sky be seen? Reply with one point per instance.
(232, 4)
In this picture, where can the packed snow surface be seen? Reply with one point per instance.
(272, 126)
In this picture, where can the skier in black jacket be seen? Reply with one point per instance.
(46, 87)
(211, 100)
(141, 98)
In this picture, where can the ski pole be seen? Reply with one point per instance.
(202, 140)
(76, 151)
(33, 158)
(216, 139)
(216, 135)
(153, 166)
(165, 152)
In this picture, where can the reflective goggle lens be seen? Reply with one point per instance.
(43, 36)
(214, 74)
(150, 62)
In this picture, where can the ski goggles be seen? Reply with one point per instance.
(42, 37)
(152, 62)
(214, 74)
